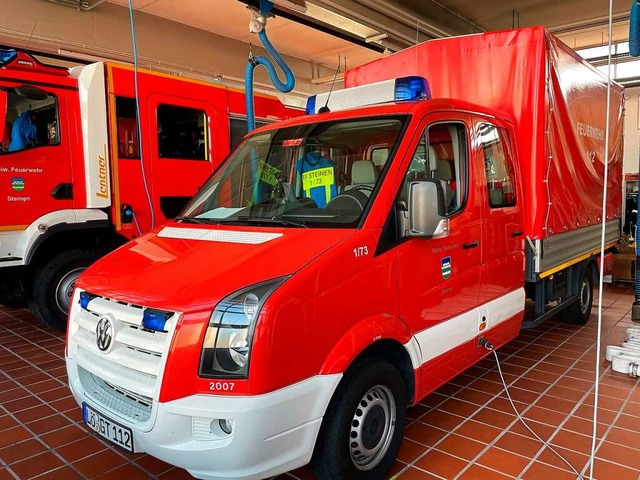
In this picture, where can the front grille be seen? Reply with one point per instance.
(125, 380)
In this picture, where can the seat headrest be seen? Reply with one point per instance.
(363, 172)
(444, 171)
(432, 155)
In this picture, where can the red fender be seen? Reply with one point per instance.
(362, 335)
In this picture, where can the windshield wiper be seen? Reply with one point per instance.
(202, 221)
(273, 221)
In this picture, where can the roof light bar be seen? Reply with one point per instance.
(395, 90)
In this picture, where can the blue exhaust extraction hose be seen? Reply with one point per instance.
(284, 87)
(634, 30)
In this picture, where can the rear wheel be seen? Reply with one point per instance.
(579, 312)
(53, 286)
(362, 429)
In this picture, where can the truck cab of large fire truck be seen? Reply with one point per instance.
(79, 178)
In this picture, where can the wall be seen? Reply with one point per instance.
(105, 32)
(631, 132)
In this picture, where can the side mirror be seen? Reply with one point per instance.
(427, 209)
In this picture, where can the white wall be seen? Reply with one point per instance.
(105, 31)
(631, 132)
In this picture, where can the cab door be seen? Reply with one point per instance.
(35, 155)
(503, 240)
(182, 133)
(439, 278)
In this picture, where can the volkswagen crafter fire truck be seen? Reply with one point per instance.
(341, 266)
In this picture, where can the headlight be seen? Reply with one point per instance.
(227, 342)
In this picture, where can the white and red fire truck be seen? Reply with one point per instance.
(71, 171)
(341, 266)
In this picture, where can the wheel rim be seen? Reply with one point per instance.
(372, 427)
(585, 296)
(64, 290)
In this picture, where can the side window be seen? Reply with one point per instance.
(30, 119)
(498, 166)
(182, 133)
(128, 144)
(442, 154)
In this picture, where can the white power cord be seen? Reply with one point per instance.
(607, 129)
(489, 347)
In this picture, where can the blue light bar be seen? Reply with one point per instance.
(155, 320)
(85, 298)
(6, 55)
(311, 105)
(412, 88)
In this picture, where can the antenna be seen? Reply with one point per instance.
(31, 35)
(326, 109)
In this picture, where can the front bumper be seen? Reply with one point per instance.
(272, 433)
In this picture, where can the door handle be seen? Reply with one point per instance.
(467, 246)
(517, 233)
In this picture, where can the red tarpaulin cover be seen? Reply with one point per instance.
(546, 87)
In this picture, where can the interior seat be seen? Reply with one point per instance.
(444, 172)
(363, 176)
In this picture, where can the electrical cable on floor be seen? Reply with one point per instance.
(489, 347)
(607, 128)
(137, 95)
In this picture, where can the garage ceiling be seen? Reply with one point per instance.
(580, 23)
(359, 31)
(230, 18)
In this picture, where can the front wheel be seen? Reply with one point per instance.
(579, 312)
(53, 286)
(362, 429)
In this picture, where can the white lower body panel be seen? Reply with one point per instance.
(272, 433)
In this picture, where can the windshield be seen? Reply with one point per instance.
(312, 175)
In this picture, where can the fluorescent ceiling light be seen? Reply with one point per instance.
(339, 21)
(299, 6)
(377, 38)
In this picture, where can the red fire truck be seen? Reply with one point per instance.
(74, 182)
(341, 266)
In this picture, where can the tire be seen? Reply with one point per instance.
(361, 413)
(53, 286)
(579, 312)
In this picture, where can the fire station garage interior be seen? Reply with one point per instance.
(319, 239)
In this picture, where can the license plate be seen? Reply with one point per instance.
(107, 428)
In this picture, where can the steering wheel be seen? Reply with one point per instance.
(351, 201)
(362, 188)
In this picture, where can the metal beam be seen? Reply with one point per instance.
(428, 16)
(404, 22)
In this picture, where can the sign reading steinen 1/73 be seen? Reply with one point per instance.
(107, 428)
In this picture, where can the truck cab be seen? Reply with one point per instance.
(88, 162)
(335, 269)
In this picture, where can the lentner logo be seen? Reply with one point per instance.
(102, 176)
(17, 183)
(446, 267)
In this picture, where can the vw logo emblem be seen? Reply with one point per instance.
(104, 333)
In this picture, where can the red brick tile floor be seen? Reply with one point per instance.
(465, 430)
